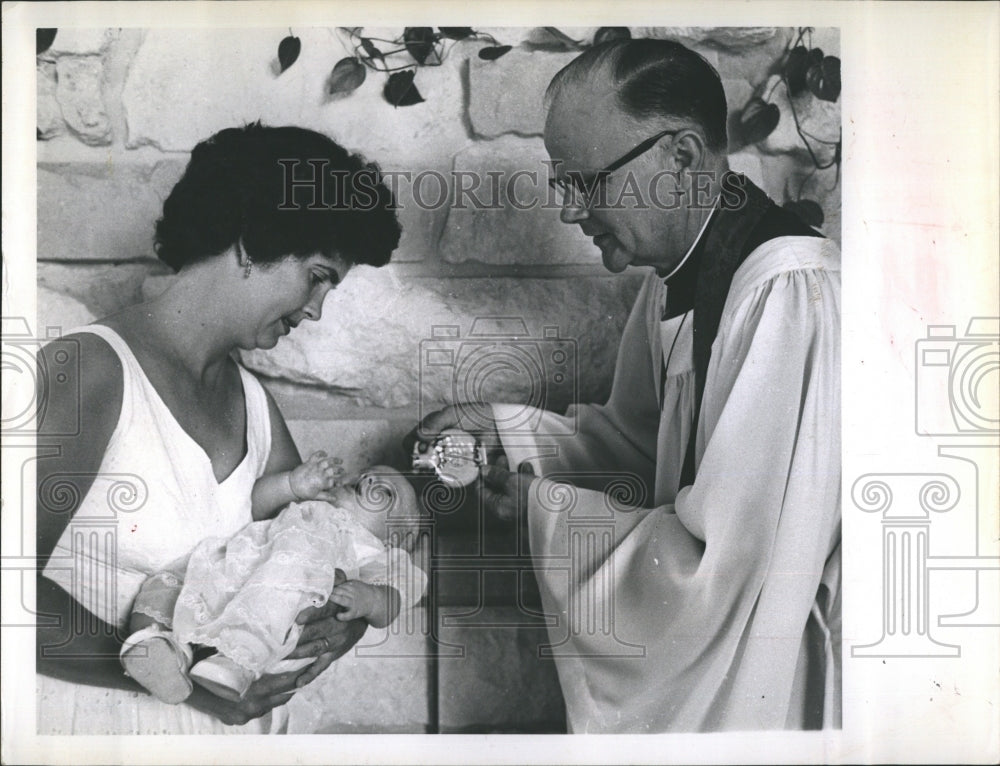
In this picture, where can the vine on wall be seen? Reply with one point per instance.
(401, 57)
(802, 69)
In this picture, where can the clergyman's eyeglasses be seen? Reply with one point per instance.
(579, 188)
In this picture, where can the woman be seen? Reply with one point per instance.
(166, 416)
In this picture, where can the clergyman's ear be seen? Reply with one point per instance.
(687, 151)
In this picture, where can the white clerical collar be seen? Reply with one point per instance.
(701, 233)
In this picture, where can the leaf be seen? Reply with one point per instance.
(796, 67)
(347, 75)
(288, 51)
(607, 34)
(419, 42)
(550, 39)
(823, 79)
(371, 50)
(757, 120)
(493, 52)
(400, 90)
(456, 33)
(808, 210)
(43, 39)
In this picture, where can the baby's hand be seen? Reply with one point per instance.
(377, 604)
(313, 477)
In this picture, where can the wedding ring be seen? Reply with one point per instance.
(326, 644)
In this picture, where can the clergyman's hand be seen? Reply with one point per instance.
(475, 418)
(505, 494)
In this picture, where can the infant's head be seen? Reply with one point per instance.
(384, 502)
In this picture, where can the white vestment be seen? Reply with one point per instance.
(716, 607)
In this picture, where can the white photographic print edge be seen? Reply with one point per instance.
(919, 236)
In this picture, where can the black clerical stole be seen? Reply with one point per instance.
(746, 218)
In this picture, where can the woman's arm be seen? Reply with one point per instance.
(73, 434)
(273, 490)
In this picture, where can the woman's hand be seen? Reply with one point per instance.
(324, 637)
(264, 694)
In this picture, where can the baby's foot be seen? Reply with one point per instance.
(223, 677)
(156, 661)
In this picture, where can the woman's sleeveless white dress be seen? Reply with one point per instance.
(155, 499)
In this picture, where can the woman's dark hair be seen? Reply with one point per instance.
(655, 78)
(279, 191)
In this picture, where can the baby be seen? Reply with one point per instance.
(241, 595)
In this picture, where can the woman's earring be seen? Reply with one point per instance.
(249, 264)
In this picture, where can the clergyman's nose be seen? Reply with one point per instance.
(573, 213)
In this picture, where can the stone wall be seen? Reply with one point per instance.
(119, 111)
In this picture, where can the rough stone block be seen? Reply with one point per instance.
(733, 38)
(60, 310)
(359, 443)
(754, 63)
(827, 39)
(515, 218)
(500, 684)
(81, 41)
(50, 119)
(777, 170)
(421, 223)
(375, 329)
(817, 118)
(80, 96)
(495, 107)
(103, 289)
(161, 110)
(738, 92)
(382, 685)
(748, 163)
(517, 35)
(101, 212)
